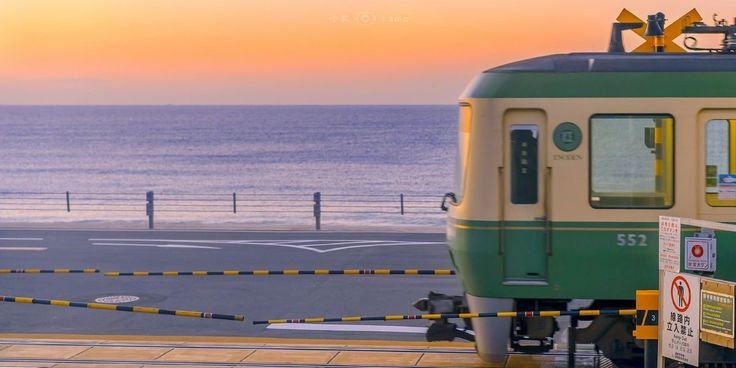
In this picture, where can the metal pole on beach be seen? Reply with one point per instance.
(401, 196)
(149, 208)
(235, 203)
(317, 209)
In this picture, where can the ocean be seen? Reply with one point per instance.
(209, 152)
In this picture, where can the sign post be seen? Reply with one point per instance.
(669, 260)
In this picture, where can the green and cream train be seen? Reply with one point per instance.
(565, 163)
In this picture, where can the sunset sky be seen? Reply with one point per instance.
(288, 52)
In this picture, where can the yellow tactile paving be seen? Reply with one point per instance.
(453, 360)
(530, 361)
(168, 365)
(41, 351)
(205, 355)
(290, 357)
(137, 353)
(376, 358)
(74, 365)
(228, 340)
(184, 366)
(121, 353)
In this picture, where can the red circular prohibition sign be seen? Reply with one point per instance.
(675, 291)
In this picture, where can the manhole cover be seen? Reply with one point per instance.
(117, 299)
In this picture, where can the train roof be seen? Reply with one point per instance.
(623, 62)
(593, 75)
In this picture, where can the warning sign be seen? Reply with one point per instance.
(681, 316)
(717, 312)
(700, 254)
(669, 243)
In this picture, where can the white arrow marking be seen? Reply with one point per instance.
(285, 243)
(343, 327)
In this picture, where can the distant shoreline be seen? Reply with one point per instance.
(222, 105)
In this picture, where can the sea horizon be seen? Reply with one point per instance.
(384, 150)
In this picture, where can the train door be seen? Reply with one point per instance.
(718, 196)
(524, 221)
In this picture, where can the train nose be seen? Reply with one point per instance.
(491, 334)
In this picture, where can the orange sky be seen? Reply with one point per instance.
(287, 52)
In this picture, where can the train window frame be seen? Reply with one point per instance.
(730, 144)
(463, 156)
(520, 192)
(656, 199)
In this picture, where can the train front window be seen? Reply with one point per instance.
(463, 148)
(631, 161)
(720, 162)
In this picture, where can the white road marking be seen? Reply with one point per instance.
(344, 327)
(22, 239)
(296, 244)
(158, 245)
(383, 245)
(24, 249)
(351, 242)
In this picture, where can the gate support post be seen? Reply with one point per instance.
(571, 344)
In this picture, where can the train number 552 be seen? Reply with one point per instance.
(631, 240)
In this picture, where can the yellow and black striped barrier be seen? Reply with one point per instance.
(318, 272)
(436, 316)
(55, 270)
(121, 308)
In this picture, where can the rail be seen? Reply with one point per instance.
(316, 205)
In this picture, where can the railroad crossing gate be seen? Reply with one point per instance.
(695, 308)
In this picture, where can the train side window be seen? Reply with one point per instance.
(524, 164)
(720, 163)
(463, 149)
(631, 161)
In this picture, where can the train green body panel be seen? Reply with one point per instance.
(585, 260)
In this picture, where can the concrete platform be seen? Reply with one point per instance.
(67, 351)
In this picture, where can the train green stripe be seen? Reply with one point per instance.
(588, 260)
(602, 84)
(557, 225)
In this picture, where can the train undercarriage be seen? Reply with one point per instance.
(611, 335)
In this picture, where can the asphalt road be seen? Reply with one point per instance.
(257, 297)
